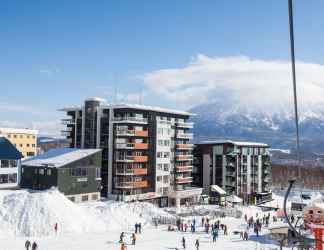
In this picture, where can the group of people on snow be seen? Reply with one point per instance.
(33, 246)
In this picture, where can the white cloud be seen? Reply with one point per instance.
(252, 83)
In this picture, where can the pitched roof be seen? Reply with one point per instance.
(59, 157)
(8, 151)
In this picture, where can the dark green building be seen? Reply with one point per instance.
(75, 172)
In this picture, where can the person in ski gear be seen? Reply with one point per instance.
(27, 244)
(197, 244)
(183, 242)
(121, 237)
(55, 228)
(123, 246)
(34, 246)
(133, 239)
(136, 227)
(140, 227)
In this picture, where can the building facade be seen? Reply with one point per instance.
(240, 168)
(9, 164)
(147, 154)
(75, 172)
(25, 140)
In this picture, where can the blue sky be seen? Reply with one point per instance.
(56, 53)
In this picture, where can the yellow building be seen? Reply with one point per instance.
(25, 140)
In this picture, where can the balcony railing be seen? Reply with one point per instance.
(231, 174)
(67, 121)
(184, 157)
(182, 180)
(134, 171)
(184, 124)
(131, 184)
(230, 183)
(133, 158)
(184, 136)
(184, 146)
(184, 169)
(139, 133)
(131, 146)
(131, 119)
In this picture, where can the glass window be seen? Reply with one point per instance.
(21, 136)
(41, 171)
(9, 136)
(12, 178)
(4, 163)
(15, 136)
(85, 197)
(49, 171)
(98, 173)
(27, 145)
(4, 178)
(33, 145)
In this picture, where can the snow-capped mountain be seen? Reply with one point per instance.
(277, 128)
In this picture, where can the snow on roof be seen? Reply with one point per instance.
(131, 106)
(18, 131)
(217, 189)
(238, 143)
(98, 99)
(59, 157)
(277, 225)
(233, 198)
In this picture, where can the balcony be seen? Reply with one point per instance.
(138, 133)
(231, 165)
(184, 136)
(67, 121)
(231, 174)
(132, 184)
(183, 180)
(133, 158)
(134, 171)
(128, 119)
(181, 169)
(184, 124)
(230, 183)
(184, 157)
(184, 146)
(132, 146)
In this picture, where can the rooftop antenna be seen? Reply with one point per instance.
(292, 52)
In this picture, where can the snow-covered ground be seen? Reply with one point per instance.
(97, 225)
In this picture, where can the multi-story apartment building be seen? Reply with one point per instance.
(147, 154)
(25, 140)
(9, 164)
(240, 168)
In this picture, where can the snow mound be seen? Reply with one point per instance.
(26, 213)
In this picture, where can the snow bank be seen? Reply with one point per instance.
(25, 213)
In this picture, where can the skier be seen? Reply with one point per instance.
(197, 244)
(122, 246)
(185, 227)
(140, 227)
(121, 237)
(55, 228)
(203, 221)
(34, 246)
(183, 242)
(133, 239)
(27, 244)
(214, 235)
(225, 230)
(136, 227)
